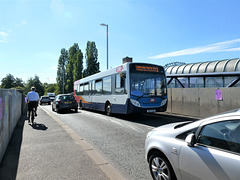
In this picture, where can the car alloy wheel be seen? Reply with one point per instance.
(160, 168)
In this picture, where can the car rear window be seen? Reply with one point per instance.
(67, 98)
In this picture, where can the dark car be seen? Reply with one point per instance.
(64, 102)
(45, 99)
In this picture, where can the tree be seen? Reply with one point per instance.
(50, 88)
(61, 72)
(70, 67)
(36, 83)
(8, 81)
(91, 59)
(74, 67)
(18, 82)
(78, 65)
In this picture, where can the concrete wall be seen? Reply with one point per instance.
(11, 108)
(202, 102)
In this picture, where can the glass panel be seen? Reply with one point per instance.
(98, 87)
(86, 89)
(224, 135)
(120, 84)
(107, 85)
(148, 84)
(81, 90)
(214, 82)
(184, 82)
(196, 82)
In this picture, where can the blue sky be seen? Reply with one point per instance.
(32, 32)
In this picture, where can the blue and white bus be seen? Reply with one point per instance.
(128, 88)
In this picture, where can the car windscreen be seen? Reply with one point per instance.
(148, 84)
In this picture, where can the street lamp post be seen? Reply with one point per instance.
(107, 41)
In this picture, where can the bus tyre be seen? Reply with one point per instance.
(108, 109)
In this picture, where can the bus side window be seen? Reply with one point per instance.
(107, 85)
(86, 89)
(81, 89)
(119, 84)
(98, 86)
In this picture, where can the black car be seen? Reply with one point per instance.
(64, 102)
(45, 99)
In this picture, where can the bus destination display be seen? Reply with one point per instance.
(146, 68)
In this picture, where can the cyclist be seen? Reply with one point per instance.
(32, 99)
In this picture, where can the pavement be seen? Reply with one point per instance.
(50, 150)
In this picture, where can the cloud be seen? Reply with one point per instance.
(22, 23)
(57, 6)
(3, 37)
(217, 47)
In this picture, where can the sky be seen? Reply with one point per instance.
(33, 32)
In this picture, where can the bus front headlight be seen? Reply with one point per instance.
(163, 102)
(135, 103)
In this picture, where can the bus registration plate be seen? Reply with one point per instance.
(151, 110)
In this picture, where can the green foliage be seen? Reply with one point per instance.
(78, 65)
(10, 82)
(91, 59)
(50, 88)
(61, 71)
(36, 83)
(70, 66)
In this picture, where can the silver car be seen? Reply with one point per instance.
(208, 149)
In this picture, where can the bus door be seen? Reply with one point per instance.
(87, 95)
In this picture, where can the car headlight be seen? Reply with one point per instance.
(163, 102)
(135, 103)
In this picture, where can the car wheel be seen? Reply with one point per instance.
(76, 110)
(58, 110)
(108, 109)
(49, 103)
(160, 168)
(53, 109)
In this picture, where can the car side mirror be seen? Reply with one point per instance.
(190, 140)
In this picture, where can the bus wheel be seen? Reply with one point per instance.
(80, 105)
(108, 109)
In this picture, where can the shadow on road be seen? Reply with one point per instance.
(151, 119)
(154, 119)
(39, 127)
(9, 164)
